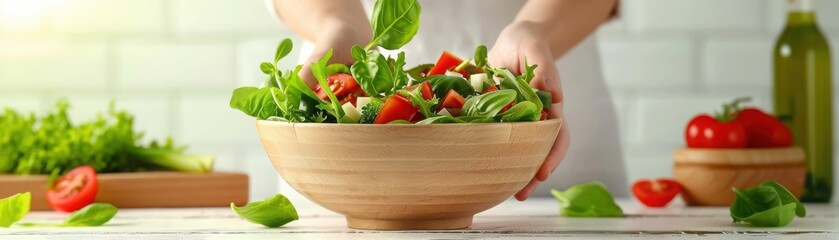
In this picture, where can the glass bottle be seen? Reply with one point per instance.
(803, 96)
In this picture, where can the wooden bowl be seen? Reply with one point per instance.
(709, 174)
(399, 177)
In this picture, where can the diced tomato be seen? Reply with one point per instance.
(396, 107)
(447, 61)
(344, 87)
(543, 116)
(426, 91)
(452, 100)
(509, 105)
(491, 89)
(74, 190)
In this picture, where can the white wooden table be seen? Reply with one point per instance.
(534, 219)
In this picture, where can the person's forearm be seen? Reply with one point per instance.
(308, 18)
(565, 22)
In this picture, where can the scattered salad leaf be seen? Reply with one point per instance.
(273, 212)
(489, 104)
(13, 208)
(96, 214)
(546, 98)
(394, 23)
(766, 205)
(587, 200)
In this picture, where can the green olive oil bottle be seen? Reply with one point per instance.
(803, 96)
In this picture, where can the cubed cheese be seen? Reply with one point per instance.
(477, 80)
(444, 112)
(351, 112)
(360, 102)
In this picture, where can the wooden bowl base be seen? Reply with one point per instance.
(427, 224)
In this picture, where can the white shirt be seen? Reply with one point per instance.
(460, 26)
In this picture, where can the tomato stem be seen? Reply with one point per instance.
(731, 110)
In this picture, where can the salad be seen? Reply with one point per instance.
(378, 89)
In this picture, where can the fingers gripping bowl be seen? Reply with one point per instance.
(396, 176)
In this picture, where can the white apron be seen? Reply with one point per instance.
(460, 26)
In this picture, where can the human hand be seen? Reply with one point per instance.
(339, 37)
(517, 41)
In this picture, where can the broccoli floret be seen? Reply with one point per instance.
(370, 111)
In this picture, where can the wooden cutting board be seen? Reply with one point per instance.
(145, 189)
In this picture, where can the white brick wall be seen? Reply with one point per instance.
(174, 63)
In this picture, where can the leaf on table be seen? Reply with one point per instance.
(587, 200)
(273, 212)
(96, 214)
(766, 205)
(13, 208)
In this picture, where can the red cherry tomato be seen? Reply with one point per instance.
(344, 87)
(764, 131)
(446, 62)
(396, 107)
(74, 190)
(453, 100)
(704, 131)
(656, 193)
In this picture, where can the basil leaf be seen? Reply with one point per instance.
(767, 205)
(394, 23)
(441, 84)
(481, 56)
(273, 212)
(13, 208)
(489, 104)
(440, 119)
(95, 214)
(587, 200)
(282, 50)
(364, 71)
(254, 102)
(385, 76)
(521, 112)
(319, 71)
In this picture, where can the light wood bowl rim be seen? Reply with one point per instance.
(364, 125)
